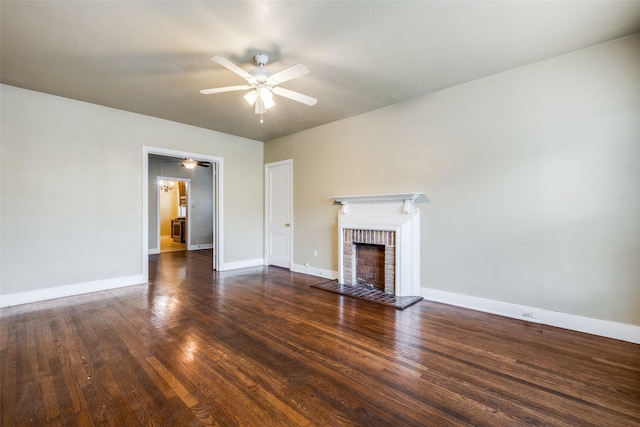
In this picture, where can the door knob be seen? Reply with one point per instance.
(287, 225)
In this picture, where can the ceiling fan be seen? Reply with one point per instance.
(191, 164)
(263, 84)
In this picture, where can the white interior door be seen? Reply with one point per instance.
(279, 213)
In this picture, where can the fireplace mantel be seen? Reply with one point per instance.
(373, 199)
(394, 213)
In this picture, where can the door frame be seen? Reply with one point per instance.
(218, 200)
(267, 197)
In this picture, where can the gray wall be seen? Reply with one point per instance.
(71, 180)
(533, 174)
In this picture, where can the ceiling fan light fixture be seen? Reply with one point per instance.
(268, 103)
(267, 97)
(263, 96)
(251, 97)
(260, 108)
(189, 163)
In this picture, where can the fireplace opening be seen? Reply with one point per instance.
(369, 259)
(370, 266)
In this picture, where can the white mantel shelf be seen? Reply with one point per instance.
(378, 198)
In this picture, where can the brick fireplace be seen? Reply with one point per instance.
(369, 259)
(379, 242)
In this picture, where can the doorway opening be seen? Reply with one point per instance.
(194, 218)
(173, 214)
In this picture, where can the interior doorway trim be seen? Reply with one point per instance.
(218, 200)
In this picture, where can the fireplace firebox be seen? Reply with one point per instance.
(370, 266)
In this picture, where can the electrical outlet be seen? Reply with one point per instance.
(315, 253)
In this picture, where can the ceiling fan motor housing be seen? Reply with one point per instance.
(261, 59)
(261, 75)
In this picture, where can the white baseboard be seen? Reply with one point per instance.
(605, 328)
(155, 251)
(198, 247)
(242, 264)
(315, 271)
(68, 290)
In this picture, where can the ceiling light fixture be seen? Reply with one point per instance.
(261, 98)
(263, 84)
(167, 186)
(189, 163)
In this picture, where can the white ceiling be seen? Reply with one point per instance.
(152, 57)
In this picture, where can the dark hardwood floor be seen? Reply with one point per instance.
(260, 347)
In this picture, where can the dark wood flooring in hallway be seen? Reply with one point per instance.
(259, 347)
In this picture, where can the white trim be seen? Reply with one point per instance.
(145, 214)
(381, 198)
(44, 294)
(155, 251)
(218, 220)
(198, 247)
(315, 271)
(605, 328)
(242, 264)
(218, 201)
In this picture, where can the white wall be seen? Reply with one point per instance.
(534, 176)
(72, 191)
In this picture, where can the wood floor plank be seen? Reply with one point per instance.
(260, 347)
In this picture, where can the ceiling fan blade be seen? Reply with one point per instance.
(224, 89)
(204, 164)
(231, 66)
(289, 73)
(296, 96)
